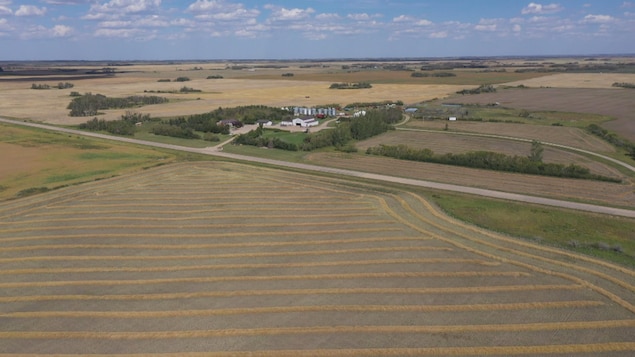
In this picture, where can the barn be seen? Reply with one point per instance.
(305, 122)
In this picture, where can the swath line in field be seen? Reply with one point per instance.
(273, 331)
(178, 246)
(246, 266)
(224, 256)
(203, 236)
(331, 291)
(397, 351)
(390, 275)
(147, 227)
(304, 309)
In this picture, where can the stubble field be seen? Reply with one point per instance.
(235, 89)
(191, 258)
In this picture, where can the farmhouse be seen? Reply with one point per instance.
(264, 122)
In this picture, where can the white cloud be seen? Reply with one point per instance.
(328, 17)
(403, 18)
(221, 11)
(535, 8)
(61, 31)
(517, 28)
(30, 10)
(627, 5)
(5, 10)
(284, 14)
(440, 34)
(118, 8)
(598, 19)
(490, 27)
(121, 33)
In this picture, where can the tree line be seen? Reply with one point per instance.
(612, 138)
(491, 161)
(359, 85)
(125, 126)
(60, 85)
(90, 104)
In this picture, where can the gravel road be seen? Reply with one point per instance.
(411, 182)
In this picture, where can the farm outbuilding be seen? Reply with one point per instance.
(305, 122)
(264, 122)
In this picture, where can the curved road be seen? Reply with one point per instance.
(420, 183)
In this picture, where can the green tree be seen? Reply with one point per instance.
(535, 154)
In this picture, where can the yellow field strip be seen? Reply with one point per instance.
(288, 205)
(215, 279)
(401, 352)
(246, 266)
(223, 256)
(212, 245)
(617, 299)
(185, 213)
(198, 226)
(333, 291)
(188, 218)
(204, 235)
(273, 331)
(162, 196)
(303, 309)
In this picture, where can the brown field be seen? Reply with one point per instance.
(561, 135)
(443, 143)
(558, 188)
(617, 103)
(225, 259)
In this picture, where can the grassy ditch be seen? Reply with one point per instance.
(601, 236)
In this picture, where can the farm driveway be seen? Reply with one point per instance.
(351, 173)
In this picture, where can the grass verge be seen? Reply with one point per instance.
(601, 236)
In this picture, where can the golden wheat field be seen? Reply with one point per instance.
(235, 89)
(225, 259)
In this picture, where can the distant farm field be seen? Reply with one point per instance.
(552, 187)
(229, 259)
(616, 102)
(235, 89)
(443, 143)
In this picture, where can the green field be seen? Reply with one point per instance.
(605, 237)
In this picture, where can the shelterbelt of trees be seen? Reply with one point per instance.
(90, 104)
(531, 164)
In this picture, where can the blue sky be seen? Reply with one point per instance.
(284, 29)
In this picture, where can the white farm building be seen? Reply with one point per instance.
(305, 122)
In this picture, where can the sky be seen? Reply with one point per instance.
(311, 29)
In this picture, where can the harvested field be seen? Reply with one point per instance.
(226, 259)
(443, 143)
(616, 102)
(561, 135)
(49, 106)
(558, 188)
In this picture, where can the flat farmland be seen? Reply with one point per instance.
(225, 259)
(444, 142)
(235, 89)
(566, 189)
(614, 102)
